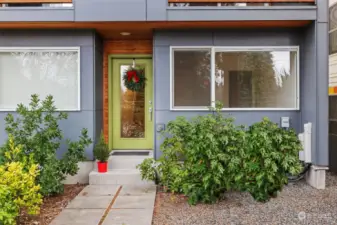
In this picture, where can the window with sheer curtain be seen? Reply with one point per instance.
(24, 72)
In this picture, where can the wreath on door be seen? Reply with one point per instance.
(134, 79)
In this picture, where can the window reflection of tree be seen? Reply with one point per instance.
(192, 78)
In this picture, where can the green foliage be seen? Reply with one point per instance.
(18, 189)
(101, 150)
(208, 155)
(36, 129)
(148, 169)
(271, 153)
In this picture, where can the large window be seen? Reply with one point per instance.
(240, 78)
(50, 71)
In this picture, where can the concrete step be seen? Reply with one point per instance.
(125, 161)
(117, 176)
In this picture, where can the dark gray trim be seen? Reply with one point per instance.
(98, 86)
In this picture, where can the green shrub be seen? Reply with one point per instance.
(208, 155)
(37, 130)
(200, 156)
(271, 153)
(18, 189)
(101, 150)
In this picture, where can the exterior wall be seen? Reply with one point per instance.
(52, 38)
(279, 37)
(112, 10)
(154, 10)
(118, 47)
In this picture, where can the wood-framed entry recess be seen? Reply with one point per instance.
(123, 49)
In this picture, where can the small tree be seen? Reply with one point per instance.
(37, 130)
(101, 150)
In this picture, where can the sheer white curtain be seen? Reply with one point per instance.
(43, 72)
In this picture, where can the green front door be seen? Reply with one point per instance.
(131, 113)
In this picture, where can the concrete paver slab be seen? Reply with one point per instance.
(99, 190)
(129, 217)
(79, 217)
(90, 202)
(141, 189)
(135, 202)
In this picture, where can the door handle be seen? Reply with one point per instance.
(150, 113)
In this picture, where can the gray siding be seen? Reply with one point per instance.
(308, 80)
(157, 10)
(241, 13)
(35, 14)
(84, 39)
(110, 10)
(322, 83)
(272, 37)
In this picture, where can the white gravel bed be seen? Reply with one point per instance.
(298, 203)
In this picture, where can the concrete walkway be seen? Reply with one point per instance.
(110, 205)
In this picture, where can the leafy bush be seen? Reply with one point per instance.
(271, 153)
(18, 189)
(37, 130)
(208, 155)
(101, 150)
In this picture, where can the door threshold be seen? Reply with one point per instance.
(136, 152)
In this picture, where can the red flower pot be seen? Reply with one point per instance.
(102, 167)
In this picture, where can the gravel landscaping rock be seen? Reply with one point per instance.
(298, 203)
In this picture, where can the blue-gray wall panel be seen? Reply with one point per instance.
(164, 39)
(270, 37)
(308, 81)
(322, 83)
(72, 129)
(110, 10)
(52, 38)
(161, 59)
(156, 10)
(322, 11)
(241, 14)
(87, 78)
(191, 38)
(36, 14)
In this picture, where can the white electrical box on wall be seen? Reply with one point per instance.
(285, 122)
(305, 138)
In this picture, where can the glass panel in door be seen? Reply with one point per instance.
(132, 105)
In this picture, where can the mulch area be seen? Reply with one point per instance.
(52, 206)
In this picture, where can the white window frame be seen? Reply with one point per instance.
(213, 50)
(51, 49)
